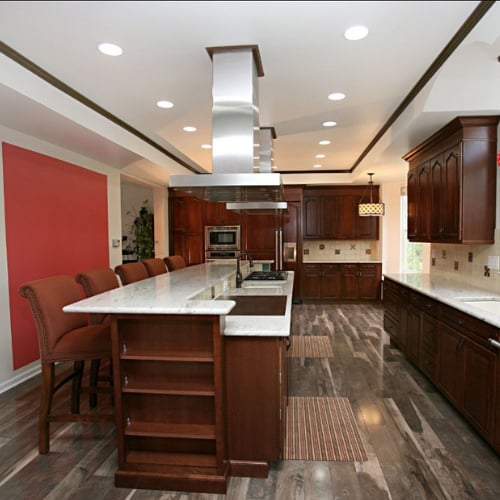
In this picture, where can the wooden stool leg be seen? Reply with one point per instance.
(45, 407)
(76, 386)
(94, 378)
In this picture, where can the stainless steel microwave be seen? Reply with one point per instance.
(222, 238)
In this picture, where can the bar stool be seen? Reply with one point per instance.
(94, 282)
(131, 272)
(174, 262)
(155, 266)
(63, 337)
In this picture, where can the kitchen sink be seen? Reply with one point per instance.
(256, 305)
(489, 304)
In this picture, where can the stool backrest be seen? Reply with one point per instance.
(155, 266)
(96, 281)
(131, 272)
(175, 262)
(46, 298)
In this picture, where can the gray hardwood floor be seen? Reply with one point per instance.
(418, 446)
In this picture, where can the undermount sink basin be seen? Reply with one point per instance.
(489, 304)
(257, 305)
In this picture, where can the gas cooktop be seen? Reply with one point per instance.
(266, 276)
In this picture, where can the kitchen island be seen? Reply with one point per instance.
(200, 392)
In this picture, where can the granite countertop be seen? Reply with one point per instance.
(452, 293)
(193, 290)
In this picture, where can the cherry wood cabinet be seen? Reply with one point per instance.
(187, 223)
(453, 349)
(451, 183)
(321, 281)
(259, 234)
(256, 387)
(331, 213)
(169, 402)
(341, 281)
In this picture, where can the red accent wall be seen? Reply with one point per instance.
(56, 218)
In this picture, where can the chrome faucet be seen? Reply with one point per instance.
(239, 277)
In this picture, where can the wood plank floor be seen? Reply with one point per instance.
(418, 446)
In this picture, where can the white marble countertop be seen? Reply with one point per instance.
(346, 261)
(193, 290)
(452, 293)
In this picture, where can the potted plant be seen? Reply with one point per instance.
(142, 231)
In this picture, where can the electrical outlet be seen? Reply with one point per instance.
(306, 251)
(443, 254)
(470, 257)
(433, 262)
(337, 251)
(455, 265)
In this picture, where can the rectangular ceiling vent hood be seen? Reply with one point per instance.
(236, 176)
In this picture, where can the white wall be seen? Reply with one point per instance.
(8, 376)
(391, 227)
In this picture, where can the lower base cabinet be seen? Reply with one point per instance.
(192, 406)
(330, 281)
(256, 388)
(453, 349)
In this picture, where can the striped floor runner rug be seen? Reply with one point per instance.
(322, 429)
(310, 347)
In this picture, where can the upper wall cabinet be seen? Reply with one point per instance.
(452, 183)
(332, 213)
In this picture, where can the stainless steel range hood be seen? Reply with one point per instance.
(267, 134)
(235, 176)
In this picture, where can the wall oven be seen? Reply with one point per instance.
(222, 241)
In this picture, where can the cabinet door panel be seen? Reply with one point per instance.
(479, 377)
(412, 191)
(312, 282)
(349, 281)
(312, 217)
(259, 234)
(368, 281)
(448, 364)
(329, 217)
(347, 218)
(451, 193)
(330, 282)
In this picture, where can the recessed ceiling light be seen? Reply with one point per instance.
(336, 96)
(324, 143)
(320, 156)
(165, 104)
(317, 166)
(206, 146)
(189, 129)
(356, 32)
(110, 49)
(329, 124)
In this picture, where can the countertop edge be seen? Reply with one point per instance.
(449, 293)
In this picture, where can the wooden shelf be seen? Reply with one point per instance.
(191, 459)
(162, 430)
(173, 356)
(184, 388)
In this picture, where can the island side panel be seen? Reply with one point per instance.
(256, 402)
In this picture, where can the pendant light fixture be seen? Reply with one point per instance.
(371, 209)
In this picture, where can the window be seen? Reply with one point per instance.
(412, 254)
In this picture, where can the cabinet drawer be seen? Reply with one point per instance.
(330, 267)
(311, 267)
(390, 287)
(426, 304)
(467, 324)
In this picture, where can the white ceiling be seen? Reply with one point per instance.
(305, 58)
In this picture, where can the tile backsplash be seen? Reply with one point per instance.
(466, 263)
(341, 250)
